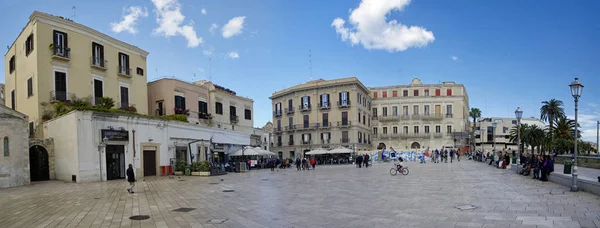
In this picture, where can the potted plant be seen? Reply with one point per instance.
(204, 168)
(195, 168)
(180, 168)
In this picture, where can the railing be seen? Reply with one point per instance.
(306, 142)
(303, 126)
(316, 125)
(62, 52)
(279, 143)
(98, 62)
(325, 141)
(449, 115)
(405, 117)
(416, 117)
(415, 135)
(324, 105)
(291, 142)
(304, 107)
(125, 71)
(277, 130)
(289, 110)
(388, 118)
(325, 125)
(344, 123)
(61, 96)
(234, 118)
(277, 113)
(290, 128)
(344, 104)
(342, 140)
(437, 116)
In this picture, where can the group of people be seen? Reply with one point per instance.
(540, 166)
(303, 164)
(362, 159)
(443, 155)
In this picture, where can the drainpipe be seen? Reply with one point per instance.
(133, 163)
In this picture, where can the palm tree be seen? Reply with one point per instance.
(475, 113)
(534, 135)
(563, 128)
(551, 111)
(513, 135)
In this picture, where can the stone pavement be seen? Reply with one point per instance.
(582, 172)
(330, 196)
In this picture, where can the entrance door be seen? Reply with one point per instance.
(149, 163)
(38, 162)
(115, 162)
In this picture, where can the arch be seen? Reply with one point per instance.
(39, 163)
(381, 146)
(415, 145)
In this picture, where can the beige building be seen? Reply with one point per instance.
(2, 94)
(204, 102)
(57, 59)
(321, 113)
(487, 136)
(420, 116)
(14, 160)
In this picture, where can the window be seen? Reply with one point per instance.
(279, 140)
(203, 107)
(325, 119)
(123, 64)
(364, 103)
(344, 118)
(384, 95)
(449, 109)
(290, 104)
(305, 102)
(426, 92)
(385, 130)
(437, 92)
(415, 110)
(11, 64)
(29, 87)
(31, 130)
(374, 130)
(247, 114)
(160, 109)
(124, 97)
(219, 108)
(324, 100)
(504, 130)
(449, 128)
(426, 110)
(345, 138)
(395, 130)
(279, 127)
(358, 97)
(98, 90)
(232, 111)
(306, 138)
(291, 122)
(359, 137)
(374, 111)
(291, 140)
(6, 152)
(405, 93)
(416, 129)
(514, 122)
(12, 100)
(364, 119)
(305, 121)
(384, 111)
(179, 104)
(416, 93)
(139, 71)
(358, 116)
(97, 55)
(60, 86)
(345, 98)
(405, 129)
(60, 44)
(426, 129)
(277, 108)
(29, 44)
(438, 129)
(374, 95)
(405, 110)
(394, 93)
(449, 92)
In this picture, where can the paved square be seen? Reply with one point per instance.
(432, 195)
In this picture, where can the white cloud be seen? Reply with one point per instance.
(587, 119)
(133, 13)
(170, 18)
(201, 70)
(233, 27)
(203, 11)
(233, 55)
(454, 58)
(209, 51)
(213, 28)
(368, 26)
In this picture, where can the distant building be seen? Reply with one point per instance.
(485, 139)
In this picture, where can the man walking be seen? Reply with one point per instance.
(366, 161)
(130, 178)
(451, 155)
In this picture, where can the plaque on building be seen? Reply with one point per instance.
(115, 135)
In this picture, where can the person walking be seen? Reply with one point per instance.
(130, 179)
(359, 161)
(313, 162)
(366, 161)
(451, 155)
(298, 164)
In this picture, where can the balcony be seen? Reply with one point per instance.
(344, 123)
(437, 116)
(304, 107)
(277, 130)
(342, 140)
(277, 113)
(324, 106)
(205, 116)
(289, 111)
(405, 117)
(59, 52)
(416, 135)
(416, 117)
(384, 136)
(437, 135)
(307, 142)
(291, 142)
(325, 141)
(325, 125)
(302, 127)
(98, 63)
(343, 104)
(279, 143)
(181, 111)
(316, 126)
(388, 118)
(234, 118)
(124, 71)
(449, 115)
(426, 116)
(290, 128)
(61, 96)
(396, 135)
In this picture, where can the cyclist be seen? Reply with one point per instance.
(399, 165)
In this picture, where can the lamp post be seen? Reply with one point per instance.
(576, 89)
(481, 141)
(494, 124)
(598, 138)
(518, 114)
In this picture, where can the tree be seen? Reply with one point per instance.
(563, 128)
(475, 113)
(534, 136)
(513, 135)
(551, 111)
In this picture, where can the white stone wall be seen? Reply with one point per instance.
(14, 169)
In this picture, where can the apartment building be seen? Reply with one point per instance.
(231, 111)
(486, 137)
(321, 113)
(420, 116)
(57, 59)
(170, 96)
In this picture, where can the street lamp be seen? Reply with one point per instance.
(598, 138)
(518, 114)
(494, 124)
(576, 89)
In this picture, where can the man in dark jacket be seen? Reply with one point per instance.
(366, 160)
(130, 178)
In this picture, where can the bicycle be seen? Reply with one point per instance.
(398, 169)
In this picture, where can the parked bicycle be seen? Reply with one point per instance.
(398, 169)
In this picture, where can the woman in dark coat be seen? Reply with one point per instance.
(130, 178)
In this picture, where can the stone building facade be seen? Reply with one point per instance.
(14, 160)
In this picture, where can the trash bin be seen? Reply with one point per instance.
(568, 165)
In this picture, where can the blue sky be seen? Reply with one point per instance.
(507, 53)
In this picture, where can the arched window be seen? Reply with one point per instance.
(6, 147)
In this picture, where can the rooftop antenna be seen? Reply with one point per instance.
(310, 63)
(194, 77)
(73, 8)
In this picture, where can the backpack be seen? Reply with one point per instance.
(400, 159)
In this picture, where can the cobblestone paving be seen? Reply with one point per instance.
(330, 196)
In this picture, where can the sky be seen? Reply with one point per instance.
(508, 54)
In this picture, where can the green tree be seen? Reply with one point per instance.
(563, 128)
(475, 113)
(551, 111)
(513, 135)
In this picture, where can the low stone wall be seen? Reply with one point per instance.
(582, 161)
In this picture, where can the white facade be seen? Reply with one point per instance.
(485, 139)
(79, 149)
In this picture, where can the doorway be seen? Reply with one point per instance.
(149, 163)
(415, 145)
(115, 162)
(39, 164)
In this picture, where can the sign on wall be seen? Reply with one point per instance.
(115, 135)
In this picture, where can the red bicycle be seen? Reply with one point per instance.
(398, 169)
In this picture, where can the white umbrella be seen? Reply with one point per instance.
(262, 151)
(247, 151)
(340, 150)
(317, 151)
